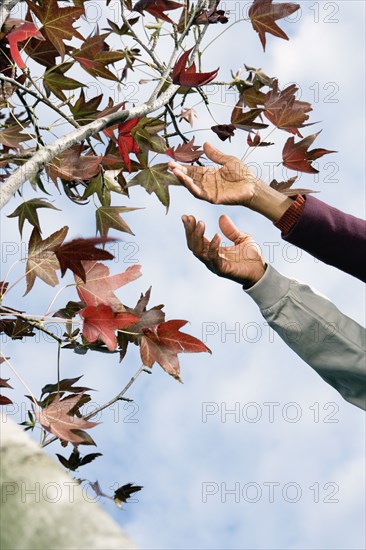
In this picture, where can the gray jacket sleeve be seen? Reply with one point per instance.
(329, 341)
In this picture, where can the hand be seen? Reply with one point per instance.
(231, 184)
(241, 263)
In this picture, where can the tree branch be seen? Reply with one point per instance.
(45, 155)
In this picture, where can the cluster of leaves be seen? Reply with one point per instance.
(106, 164)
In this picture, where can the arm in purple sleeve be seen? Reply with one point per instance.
(330, 235)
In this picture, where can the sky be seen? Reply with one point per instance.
(254, 450)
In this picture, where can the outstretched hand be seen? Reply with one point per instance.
(232, 184)
(241, 262)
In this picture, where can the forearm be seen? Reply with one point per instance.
(329, 341)
(268, 202)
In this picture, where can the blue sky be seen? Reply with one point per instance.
(297, 484)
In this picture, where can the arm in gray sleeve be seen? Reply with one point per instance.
(314, 328)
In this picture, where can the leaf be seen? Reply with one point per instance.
(224, 131)
(296, 156)
(264, 14)
(189, 115)
(123, 493)
(55, 81)
(157, 8)
(245, 120)
(71, 166)
(156, 179)
(126, 143)
(284, 187)
(12, 136)
(85, 111)
(108, 217)
(190, 77)
(256, 142)
(28, 211)
(101, 323)
(284, 110)
(16, 329)
(212, 15)
(57, 22)
(94, 56)
(147, 318)
(186, 152)
(71, 254)
(4, 384)
(25, 31)
(5, 400)
(99, 285)
(161, 344)
(3, 288)
(55, 419)
(42, 261)
(75, 461)
(67, 384)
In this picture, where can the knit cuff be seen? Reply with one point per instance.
(292, 215)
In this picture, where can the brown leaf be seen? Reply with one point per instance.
(71, 254)
(264, 14)
(296, 156)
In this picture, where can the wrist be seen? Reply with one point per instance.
(268, 202)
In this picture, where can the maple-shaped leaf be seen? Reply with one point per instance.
(245, 120)
(124, 29)
(186, 152)
(25, 31)
(13, 135)
(123, 493)
(43, 51)
(189, 115)
(67, 384)
(57, 22)
(212, 15)
(42, 261)
(296, 156)
(189, 77)
(285, 187)
(85, 111)
(101, 323)
(94, 55)
(55, 81)
(147, 317)
(55, 419)
(257, 142)
(75, 461)
(4, 384)
(264, 14)
(28, 211)
(156, 179)
(162, 343)
(71, 254)
(284, 110)
(108, 217)
(126, 143)
(98, 287)
(157, 8)
(145, 133)
(224, 131)
(71, 166)
(16, 329)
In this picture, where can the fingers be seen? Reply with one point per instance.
(215, 155)
(196, 240)
(230, 230)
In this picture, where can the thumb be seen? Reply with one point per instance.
(215, 155)
(230, 230)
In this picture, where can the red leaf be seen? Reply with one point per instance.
(186, 152)
(224, 131)
(263, 15)
(70, 255)
(126, 143)
(256, 142)
(99, 286)
(21, 33)
(190, 77)
(284, 110)
(101, 323)
(157, 8)
(56, 420)
(162, 343)
(297, 157)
